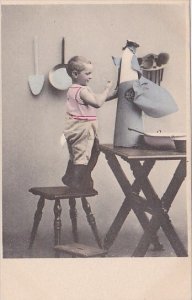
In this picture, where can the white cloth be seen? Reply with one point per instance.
(152, 99)
(127, 72)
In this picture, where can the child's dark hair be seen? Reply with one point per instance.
(76, 63)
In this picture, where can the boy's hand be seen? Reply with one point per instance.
(112, 94)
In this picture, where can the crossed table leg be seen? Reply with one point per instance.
(161, 207)
(152, 204)
(128, 204)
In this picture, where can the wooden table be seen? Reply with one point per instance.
(141, 162)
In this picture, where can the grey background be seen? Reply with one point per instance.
(32, 155)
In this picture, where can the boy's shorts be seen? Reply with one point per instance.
(80, 136)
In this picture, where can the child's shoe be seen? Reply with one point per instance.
(68, 173)
(80, 178)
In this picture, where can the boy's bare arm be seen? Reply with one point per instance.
(95, 100)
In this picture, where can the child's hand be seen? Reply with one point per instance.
(113, 94)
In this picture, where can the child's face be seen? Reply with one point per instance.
(84, 76)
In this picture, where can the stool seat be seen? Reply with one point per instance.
(61, 192)
(80, 250)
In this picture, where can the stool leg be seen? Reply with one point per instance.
(73, 216)
(91, 220)
(37, 219)
(57, 224)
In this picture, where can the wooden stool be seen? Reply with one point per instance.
(56, 194)
(80, 250)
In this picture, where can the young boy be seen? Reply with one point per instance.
(81, 124)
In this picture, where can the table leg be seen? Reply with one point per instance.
(147, 167)
(166, 200)
(128, 203)
(91, 220)
(117, 224)
(141, 216)
(73, 216)
(174, 186)
(37, 219)
(145, 223)
(160, 217)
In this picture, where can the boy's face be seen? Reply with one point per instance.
(84, 76)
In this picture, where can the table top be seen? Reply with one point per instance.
(142, 154)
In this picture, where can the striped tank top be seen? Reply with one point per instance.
(76, 107)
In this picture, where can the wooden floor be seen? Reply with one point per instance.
(16, 245)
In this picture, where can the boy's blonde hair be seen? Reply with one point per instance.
(76, 63)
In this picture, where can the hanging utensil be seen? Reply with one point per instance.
(36, 81)
(159, 140)
(58, 76)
